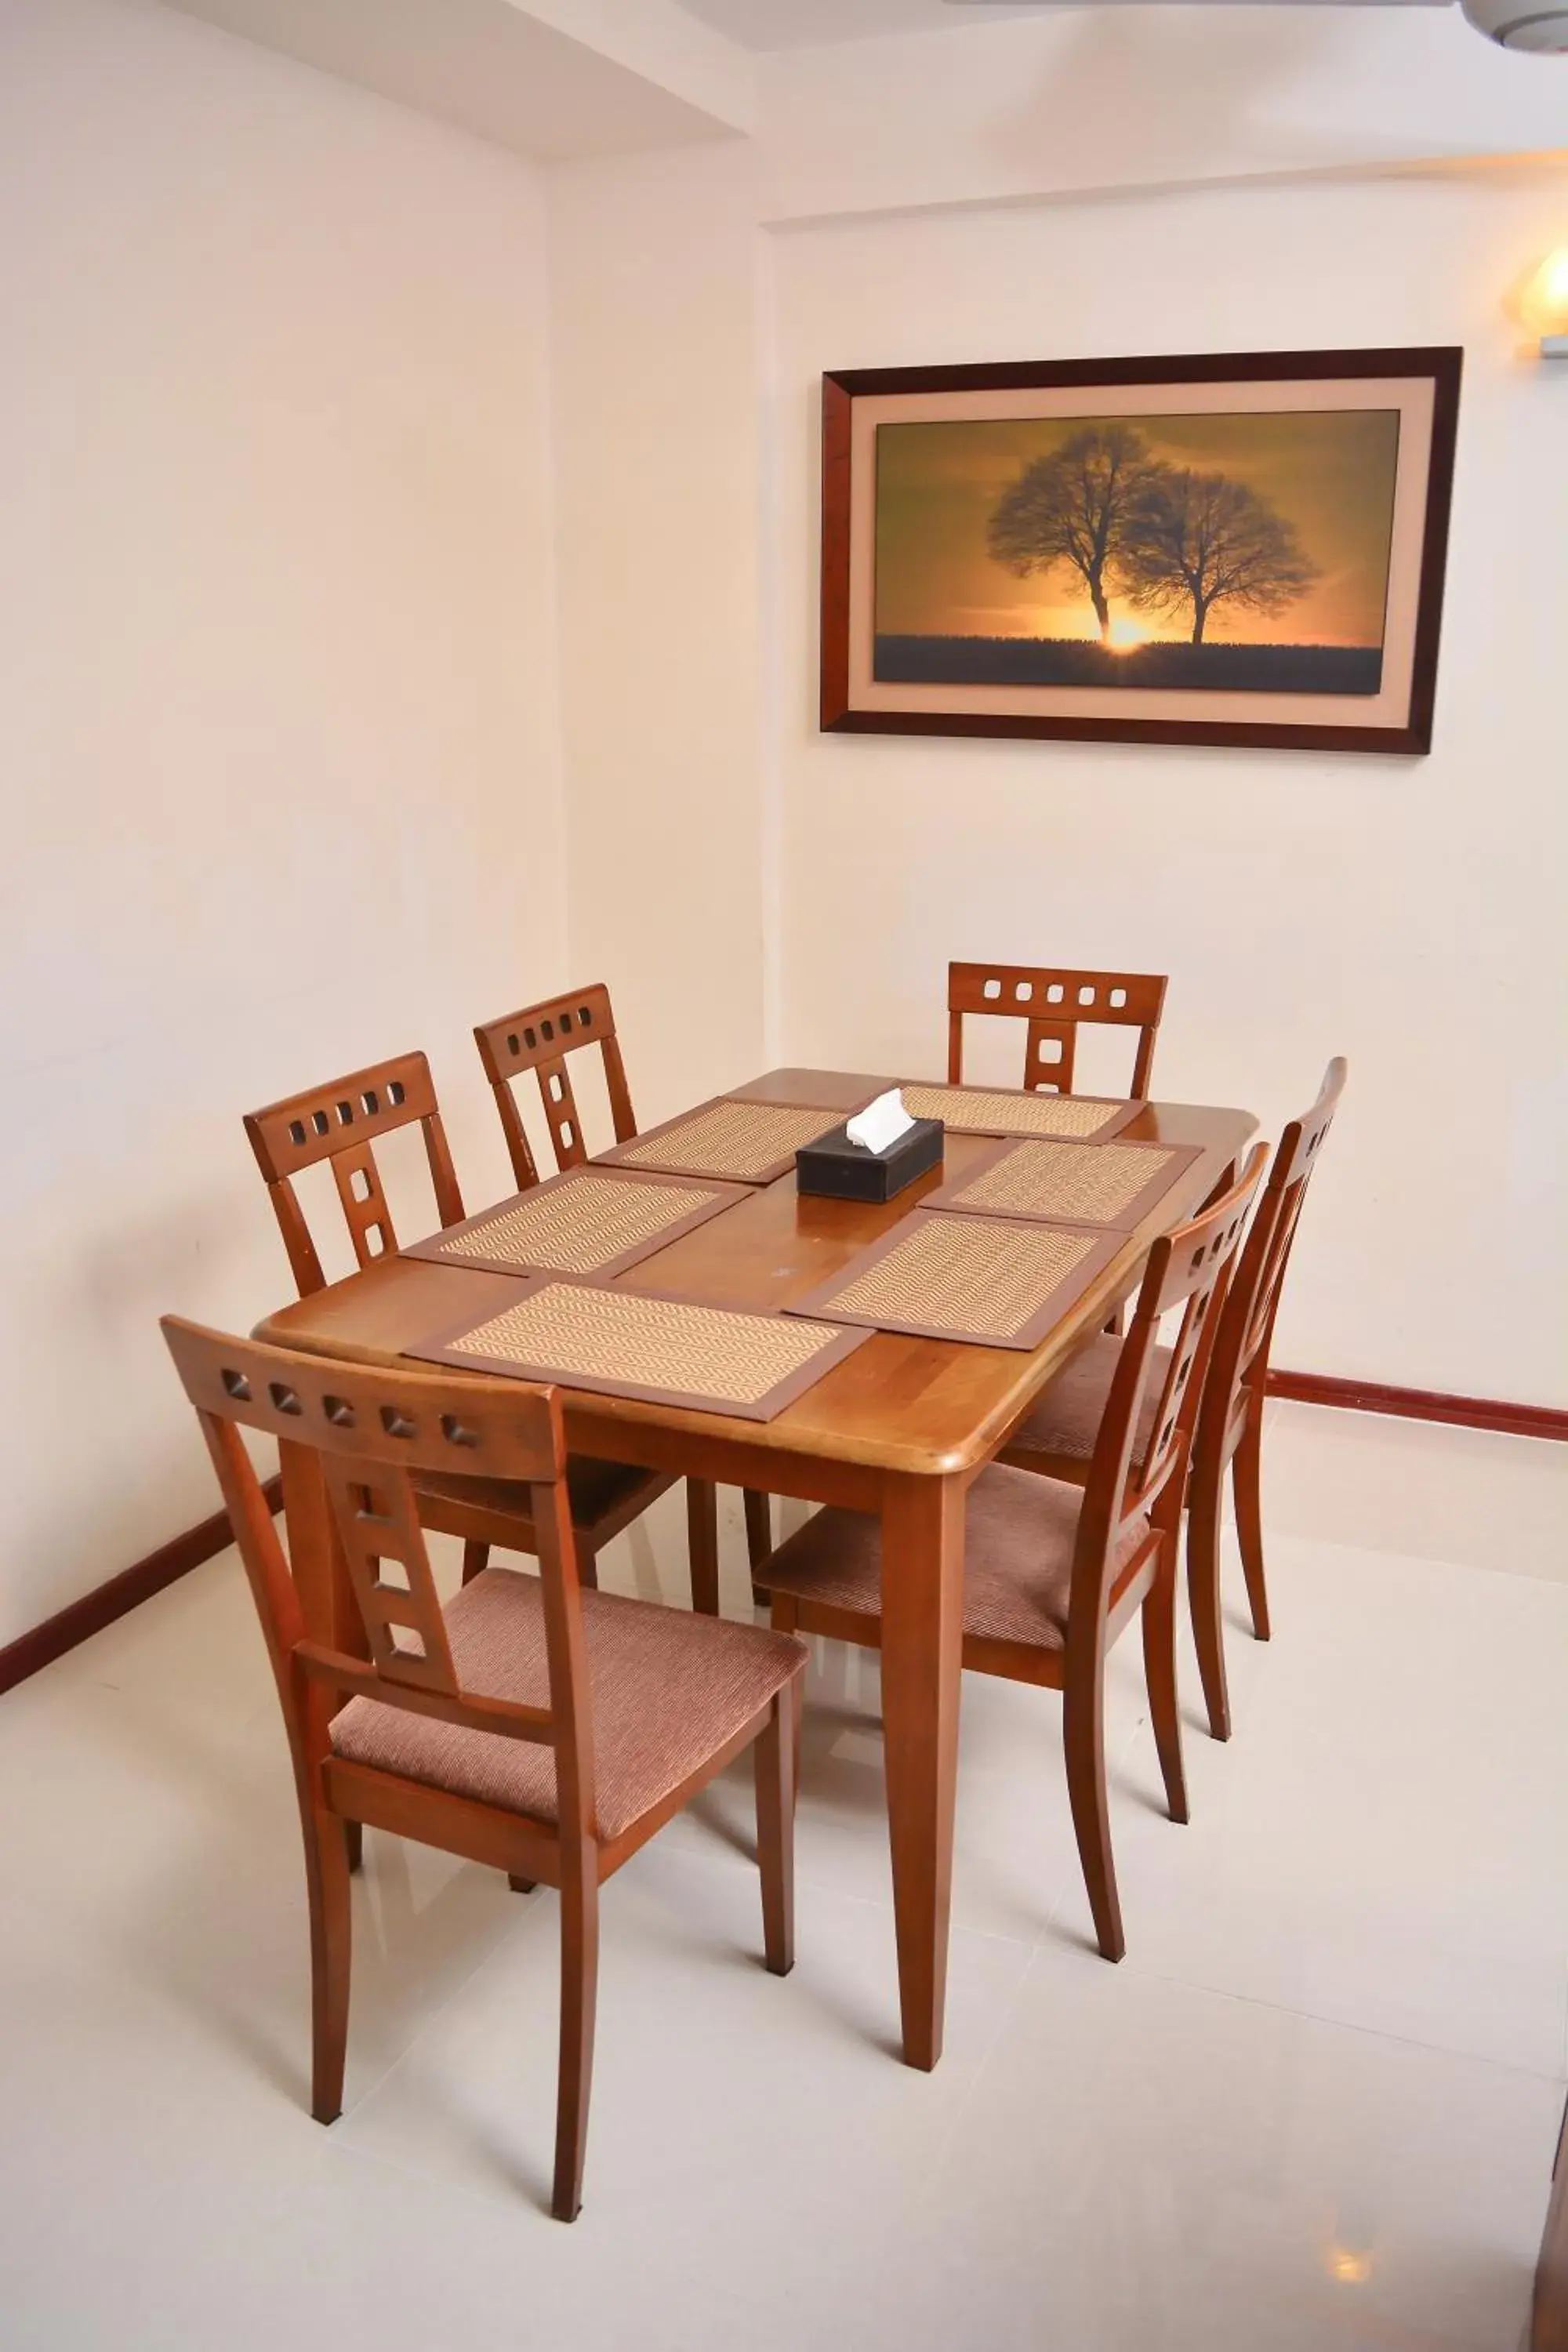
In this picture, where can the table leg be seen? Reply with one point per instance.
(922, 1640)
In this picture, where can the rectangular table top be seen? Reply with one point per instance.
(899, 1403)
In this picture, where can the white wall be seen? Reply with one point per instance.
(1092, 99)
(1406, 913)
(278, 710)
(654, 280)
(292, 487)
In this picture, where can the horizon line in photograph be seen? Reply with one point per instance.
(1092, 545)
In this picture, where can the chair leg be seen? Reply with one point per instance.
(773, 1754)
(579, 1998)
(702, 1542)
(475, 1558)
(759, 1539)
(1159, 1614)
(1246, 1478)
(784, 1617)
(1204, 1596)
(327, 1880)
(1083, 1735)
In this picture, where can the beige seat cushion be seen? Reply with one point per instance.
(1064, 1421)
(667, 1691)
(1019, 1533)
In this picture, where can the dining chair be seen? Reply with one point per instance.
(529, 1725)
(1056, 1005)
(1052, 1574)
(1057, 1437)
(541, 1038)
(341, 1123)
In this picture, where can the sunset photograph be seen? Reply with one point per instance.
(1247, 553)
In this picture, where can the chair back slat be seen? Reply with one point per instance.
(1189, 1268)
(377, 1522)
(1247, 1328)
(539, 1038)
(341, 1122)
(1055, 1005)
(371, 1429)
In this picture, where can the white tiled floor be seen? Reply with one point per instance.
(1314, 2108)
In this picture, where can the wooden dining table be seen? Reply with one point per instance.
(899, 1428)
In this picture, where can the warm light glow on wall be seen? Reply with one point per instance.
(1544, 304)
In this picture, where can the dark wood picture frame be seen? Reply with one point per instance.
(1440, 364)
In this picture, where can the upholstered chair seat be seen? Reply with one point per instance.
(667, 1691)
(1064, 1423)
(1018, 1540)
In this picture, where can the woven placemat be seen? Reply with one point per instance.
(585, 1220)
(749, 1142)
(635, 1344)
(982, 1279)
(1087, 1183)
(995, 1110)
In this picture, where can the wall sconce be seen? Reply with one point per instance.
(1544, 304)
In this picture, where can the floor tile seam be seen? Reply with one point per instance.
(981, 2070)
(1412, 1558)
(347, 2149)
(1047, 1939)
(886, 1908)
(509, 1934)
(430, 2022)
(1341, 2024)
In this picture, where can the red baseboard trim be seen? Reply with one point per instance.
(1423, 1404)
(95, 1609)
(101, 1607)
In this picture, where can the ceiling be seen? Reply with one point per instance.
(802, 24)
(494, 67)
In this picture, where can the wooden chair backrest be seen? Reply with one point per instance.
(371, 1429)
(1190, 1268)
(1245, 1330)
(539, 1038)
(1056, 1004)
(339, 1122)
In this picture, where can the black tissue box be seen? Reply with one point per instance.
(838, 1170)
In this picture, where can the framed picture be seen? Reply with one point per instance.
(1244, 550)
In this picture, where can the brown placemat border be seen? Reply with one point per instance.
(1107, 1244)
(444, 1348)
(431, 1247)
(1128, 1218)
(832, 1117)
(1127, 1111)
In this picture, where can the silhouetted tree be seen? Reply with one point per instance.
(1205, 539)
(1073, 506)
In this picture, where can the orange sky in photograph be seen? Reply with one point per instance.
(1329, 472)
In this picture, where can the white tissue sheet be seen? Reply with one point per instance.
(881, 1122)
